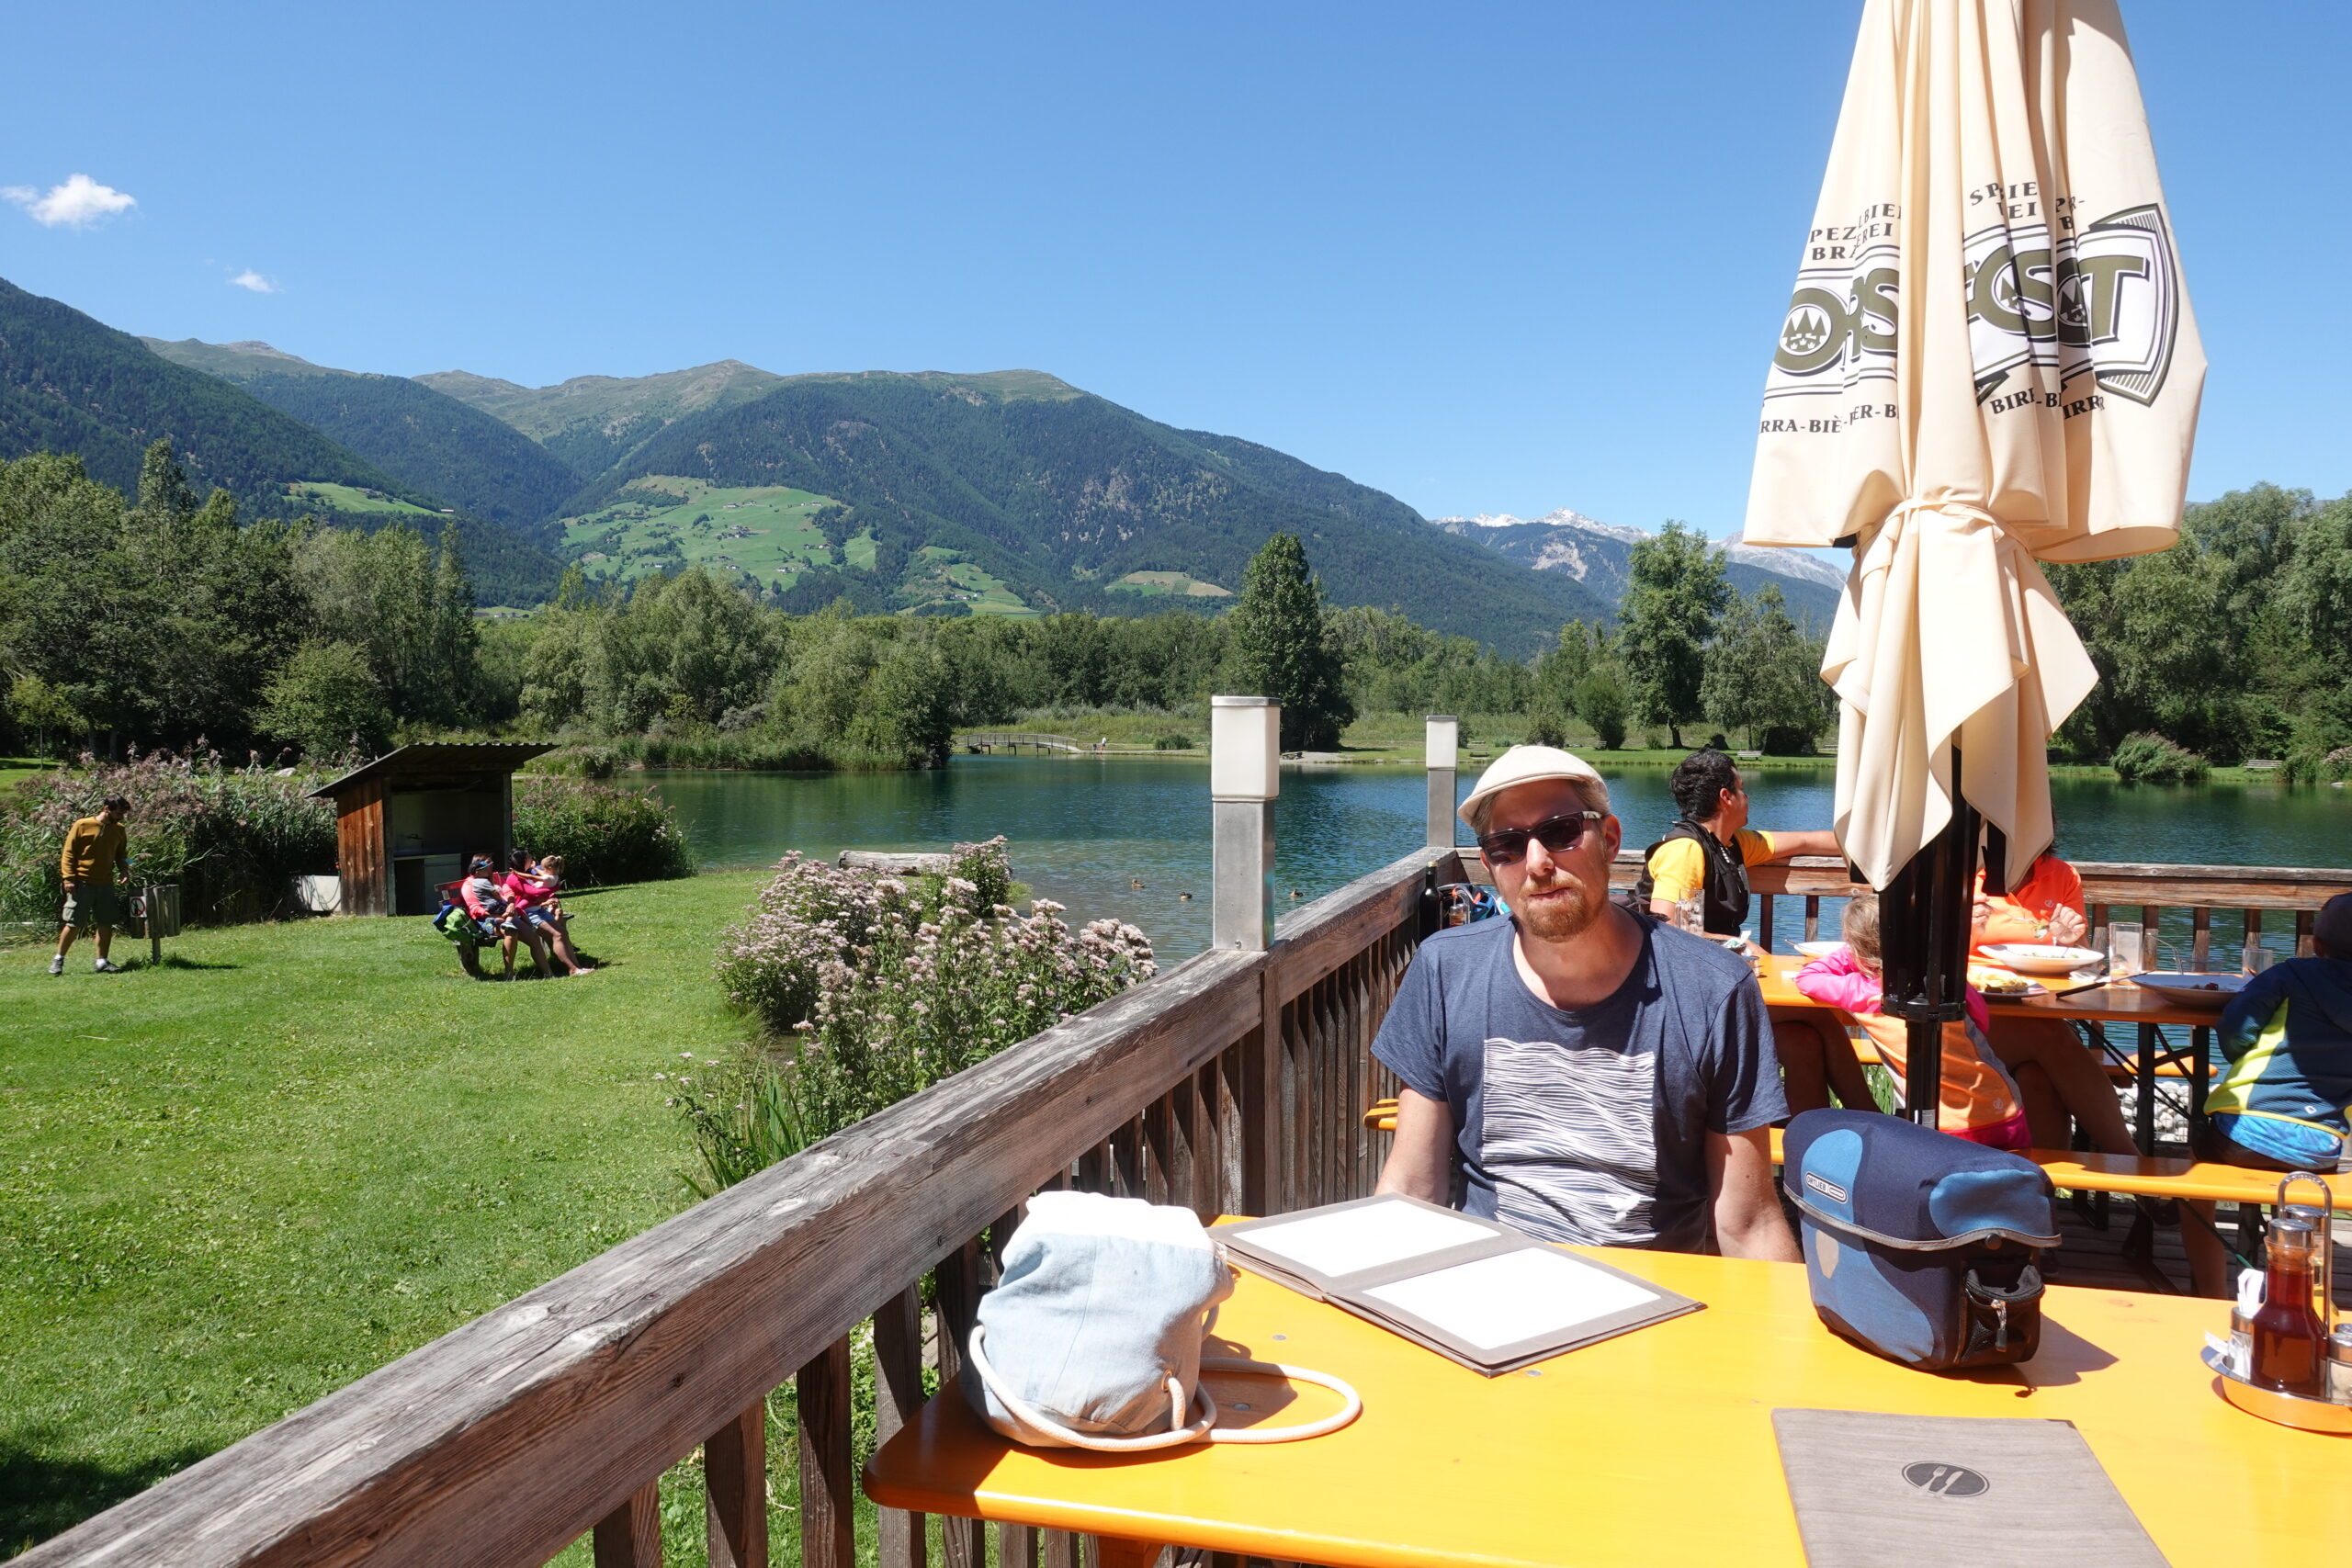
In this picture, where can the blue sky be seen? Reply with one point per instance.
(1489, 258)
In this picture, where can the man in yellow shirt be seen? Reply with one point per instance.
(94, 847)
(1705, 854)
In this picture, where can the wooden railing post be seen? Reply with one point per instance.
(1441, 746)
(827, 1476)
(897, 1395)
(630, 1536)
(735, 1489)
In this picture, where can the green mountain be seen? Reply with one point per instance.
(1015, 491)
(426, 439)
(591, 422)
(71, 384)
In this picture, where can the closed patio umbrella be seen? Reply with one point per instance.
(1988, 361)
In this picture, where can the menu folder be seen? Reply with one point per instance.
(1472, 1289)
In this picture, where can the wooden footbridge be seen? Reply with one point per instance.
(1013, 740)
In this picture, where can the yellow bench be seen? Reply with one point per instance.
(2073, 1171)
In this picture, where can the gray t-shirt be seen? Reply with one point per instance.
(1588, 1126)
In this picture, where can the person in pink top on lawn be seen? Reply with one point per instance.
(531, 890)
(1977, 1100)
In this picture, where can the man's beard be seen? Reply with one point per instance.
(1558, 920)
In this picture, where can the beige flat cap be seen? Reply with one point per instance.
(1532, 764)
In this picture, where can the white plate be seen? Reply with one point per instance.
(2043, 958)
(1816, 948)
(2192, 991)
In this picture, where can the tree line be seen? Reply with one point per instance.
(162, 619)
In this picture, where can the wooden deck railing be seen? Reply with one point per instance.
(1231, 1083)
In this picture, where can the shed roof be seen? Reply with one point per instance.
(441, 757)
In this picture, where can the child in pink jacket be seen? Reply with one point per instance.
(1977, 1101)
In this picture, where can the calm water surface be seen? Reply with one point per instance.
(1083, 830)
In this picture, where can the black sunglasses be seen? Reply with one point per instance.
(1508, 846)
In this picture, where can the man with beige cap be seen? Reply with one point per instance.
(1581, 1071)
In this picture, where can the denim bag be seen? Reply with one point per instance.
(1918, 1246)
(1092, 1337)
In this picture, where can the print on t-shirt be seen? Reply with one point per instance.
(1569, 1137)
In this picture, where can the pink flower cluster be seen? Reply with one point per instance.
(891, 983)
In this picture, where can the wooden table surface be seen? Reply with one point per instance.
(1649, 1450)
(2120, 1002)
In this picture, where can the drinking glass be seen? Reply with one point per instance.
(2125, 955)
(2256, 958)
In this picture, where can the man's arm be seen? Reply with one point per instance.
(1749, 1223)
(1814, 841)
(1420, 1159)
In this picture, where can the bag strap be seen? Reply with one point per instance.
(1203, 1426)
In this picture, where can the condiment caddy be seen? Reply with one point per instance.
(2288, 1356)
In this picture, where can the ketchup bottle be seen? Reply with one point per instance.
(2289, 1345)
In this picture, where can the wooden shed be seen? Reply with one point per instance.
(407, 822)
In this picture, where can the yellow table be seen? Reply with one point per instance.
(1651, 1450)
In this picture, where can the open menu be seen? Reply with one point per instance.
(1473, 1290)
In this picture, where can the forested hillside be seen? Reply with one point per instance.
(74, 385)
(421, 438)
(1060, 494)
(591, 422)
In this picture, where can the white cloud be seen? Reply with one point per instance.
(251, 279)
(78, 203)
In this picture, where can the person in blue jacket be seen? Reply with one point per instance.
(2280, 1105)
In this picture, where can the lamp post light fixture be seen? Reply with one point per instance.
(1245, 776)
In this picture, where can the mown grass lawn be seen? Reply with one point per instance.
(231, 1184)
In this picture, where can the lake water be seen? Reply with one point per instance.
(1082, 828)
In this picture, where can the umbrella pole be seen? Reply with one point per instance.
(1924, 919)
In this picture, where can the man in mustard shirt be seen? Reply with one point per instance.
(94, 847)
(1706, 854)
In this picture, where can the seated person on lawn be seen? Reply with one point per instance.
(1706, 853)
(487, 902)
(2061, 1078)
(530, 887)
(1579, 1071)
(2281, 1105)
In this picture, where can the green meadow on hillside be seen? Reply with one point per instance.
(1166, 584)
(352, 501)
(762, 534)
(938, 575)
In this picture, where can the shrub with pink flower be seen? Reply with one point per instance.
(232, 838)
(884, 985)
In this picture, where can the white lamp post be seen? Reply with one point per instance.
(1444, 738)
(1245, 776)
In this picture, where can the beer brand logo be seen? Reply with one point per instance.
(1947, 1480)
(2103, 300)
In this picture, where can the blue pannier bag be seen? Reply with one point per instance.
(1919, 1245)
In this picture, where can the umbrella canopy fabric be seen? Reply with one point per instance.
(1988, 360)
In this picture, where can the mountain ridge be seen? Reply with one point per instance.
(425, 438)
(1597, 555)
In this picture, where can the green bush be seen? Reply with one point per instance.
(325, 701)
(1546, 729)
(1602, 702)
(1173, 742)
(605, 835)
(2148, 758)
(232, 839)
